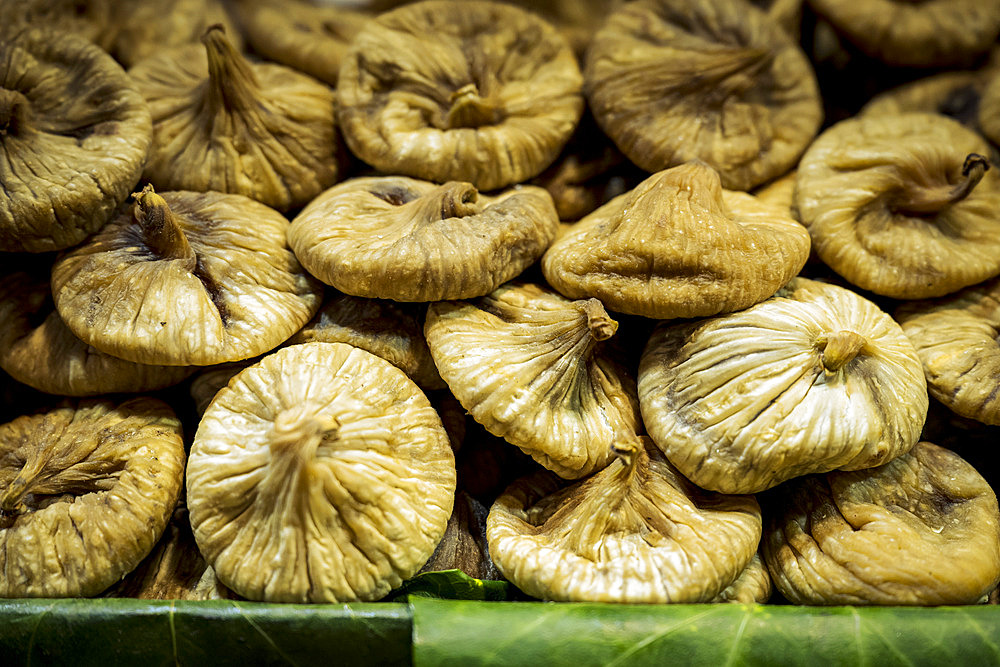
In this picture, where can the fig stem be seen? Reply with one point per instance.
(299, 433)
(14, 110)
(601, 326)
(840, 348)
(923, 201)
(232, 84)
(452, 200)
(160, 228)
(468, 109)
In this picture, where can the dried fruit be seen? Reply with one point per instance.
(399, 238)
(672, 81)
(320, 474)
(813, 379)
(86, 489)
(479, 91)
(922, 529)
(678, 245)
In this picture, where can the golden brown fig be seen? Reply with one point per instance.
(678, 245)
(399, 238)
(928, 33)
(989, 109)
(636, 532)
(483, 92)
(174, 570)
(74, 133)
(672, 81)
(320, 474)
(534, 369)
(902, 205)
(225, 124)
(38, 349)
(184, 279)
(387, 329)
(813, 379)
(923, 529)
(304, 35)
(956, 339)
(146, 27)
(85, 491)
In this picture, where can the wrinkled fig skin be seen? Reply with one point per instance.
(307, 37)
(635, 532)
(753, 586)
(957, 341)
(320, 474)
(74, 133)
(399, 238)
(928, 33)
(393, 331)
(533, 368)
(174, 570)
(221, 123)
(814, 379)
(184, 279)
(678, 245)
(923, 529)
(207, 383)
(481, 92)
(150, 26)
(672, 81)
(903, 205)
(85, 492)
(37, 348)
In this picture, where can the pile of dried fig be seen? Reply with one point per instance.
(637, 302)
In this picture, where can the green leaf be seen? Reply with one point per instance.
(454, 585)
(216, 633)
(448, 632)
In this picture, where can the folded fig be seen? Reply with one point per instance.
(636, 532)
(398, 238)
(483, 92)
(813, 379)
(902, 205)
(534, 369)
(678, 245)
(923, 529)
(86, 490)
(673, 81)
(74, 133)
(186, 279)
(319, 474)
(222, 123)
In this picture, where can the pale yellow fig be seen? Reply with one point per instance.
(539, 371)
(673, 81)
(399, 238)
(902, 205)
(637, 532)
(185, 279)
(74, 133)
(319, 474)
(956, 340)
(813, 379)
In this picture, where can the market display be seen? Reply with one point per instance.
(584, 300)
